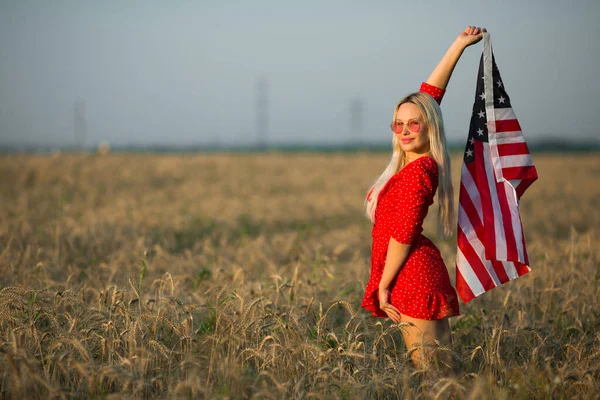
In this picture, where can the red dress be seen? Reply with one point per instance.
(422, 288)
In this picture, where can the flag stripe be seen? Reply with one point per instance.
(520, 189)
(522, 269)
(505, 113)
(510, 137)
(510, 269)
(462, 283)
(507, 125)
(508, 149)
(519, 160)
(524, 172)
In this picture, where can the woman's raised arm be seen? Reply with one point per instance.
(441, 73)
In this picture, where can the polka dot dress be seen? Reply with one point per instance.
(422, 288)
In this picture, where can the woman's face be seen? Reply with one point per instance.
(411, 131)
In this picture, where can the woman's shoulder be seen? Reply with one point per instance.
(423, 172)
(424, 165)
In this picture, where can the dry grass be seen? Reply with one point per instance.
(240, 276)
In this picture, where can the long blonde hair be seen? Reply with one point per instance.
(432, 118)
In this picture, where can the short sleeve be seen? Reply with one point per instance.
(411, 197)
(433, 91)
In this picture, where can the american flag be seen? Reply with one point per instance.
(497, 169)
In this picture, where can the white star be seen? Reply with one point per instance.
(481, 114)
(499, 83)
(501, 99)
(482, 95)
(480, 132)
(473, 140)
(469, 153)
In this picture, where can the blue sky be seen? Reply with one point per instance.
(186, 72)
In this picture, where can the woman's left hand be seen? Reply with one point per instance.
(471, 35)
(390, 310)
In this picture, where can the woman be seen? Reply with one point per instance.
(409, 281)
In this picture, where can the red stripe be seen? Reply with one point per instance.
(509, 234)
(521, 268)
(464, 291)
(523, 186)
(507, 125)
(500, 271)
(524, 172)
(511, 149)
(467, 204)
(481, 180)
(474, 261)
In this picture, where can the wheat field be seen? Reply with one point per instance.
(241, 275)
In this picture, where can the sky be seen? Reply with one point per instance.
(187, 72)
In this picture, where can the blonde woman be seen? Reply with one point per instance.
(409, 281)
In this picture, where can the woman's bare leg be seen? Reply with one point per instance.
(422, 335)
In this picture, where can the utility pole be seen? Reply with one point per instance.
(262, 113)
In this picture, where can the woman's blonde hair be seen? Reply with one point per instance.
(432, 119)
